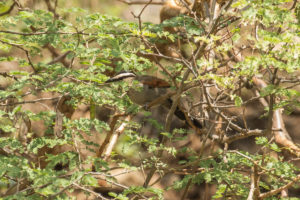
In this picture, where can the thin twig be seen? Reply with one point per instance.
(5, 74)
(46, 33)
(140, 14)
(90, 191)
(59, 58)
(26, 52)
(30, 101)
(186, 189)
(278, 190)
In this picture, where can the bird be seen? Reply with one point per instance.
(151, 91)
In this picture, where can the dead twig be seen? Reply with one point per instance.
(112, 125)
(140, 14)
(90, 191)
(5, 74)
(254, 188)
(30, 101)
(115, 137)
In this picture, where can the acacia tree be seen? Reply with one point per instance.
(221, 57)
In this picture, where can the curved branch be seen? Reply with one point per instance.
(276, 191)
(282, 137)
(9, 10)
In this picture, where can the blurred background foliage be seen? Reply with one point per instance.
(109, 7)
(186, 164)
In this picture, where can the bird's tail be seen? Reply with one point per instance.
(182, 116)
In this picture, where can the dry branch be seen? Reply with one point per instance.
(112, 125)
(279, 131)
(115, 137)
(57, 56)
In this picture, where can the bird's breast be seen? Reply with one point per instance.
(145, 94)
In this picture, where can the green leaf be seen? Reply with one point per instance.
(89, 180)
(220, 191)
(275, 147)
(238, 101)
(41, 142)
(261, 140)
(207, 177)
(167, 134)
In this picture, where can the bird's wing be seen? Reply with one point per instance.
(154, 82)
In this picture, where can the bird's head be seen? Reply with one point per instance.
(121, 76)
(150, 81)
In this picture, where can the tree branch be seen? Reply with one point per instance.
(9, 10)
(115, 137)
(109, 134)
(278, 190)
